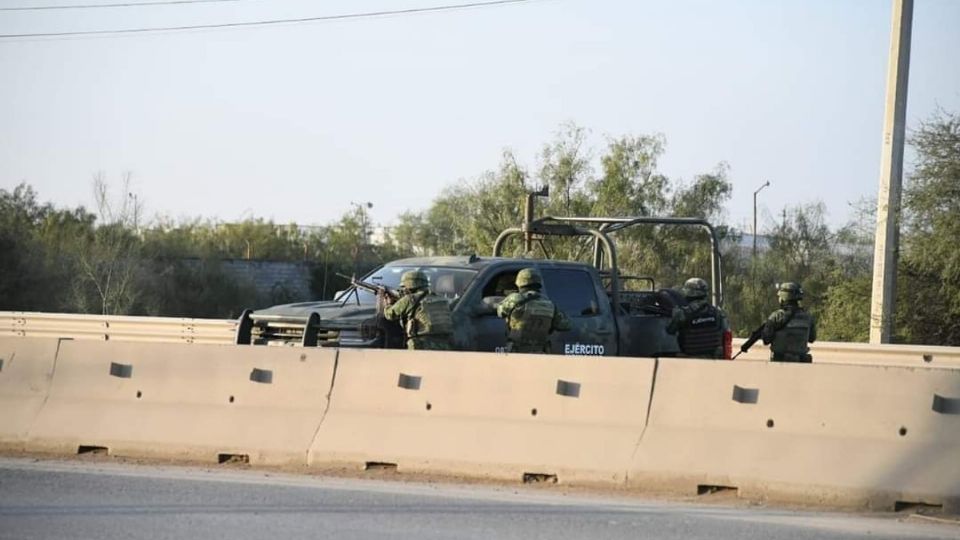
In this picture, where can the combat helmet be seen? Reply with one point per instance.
(789, 292)
(695, 288)
(413, 280)
(529, 277)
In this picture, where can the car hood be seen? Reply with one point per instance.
(336, 313)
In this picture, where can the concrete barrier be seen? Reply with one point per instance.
(832, 352)
(517, 416)
(221, 331)
(26, 368)
(848, 435)
(868, 436)
(197, 402)
(886, 354)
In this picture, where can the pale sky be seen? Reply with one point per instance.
(294, 122)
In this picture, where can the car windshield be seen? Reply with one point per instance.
(444, 281)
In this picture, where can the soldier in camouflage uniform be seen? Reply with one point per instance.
(424, 316)
(699, 325)
(790, 328)
(531, 316)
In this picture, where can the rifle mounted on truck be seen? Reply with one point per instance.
(378, 290)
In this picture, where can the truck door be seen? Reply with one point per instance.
(490, 331)
(576, 292)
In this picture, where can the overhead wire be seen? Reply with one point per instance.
(340, 17)
(115, 5)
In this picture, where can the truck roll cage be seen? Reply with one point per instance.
(604, 247)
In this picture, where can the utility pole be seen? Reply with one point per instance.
(886, 245)
(759, 189)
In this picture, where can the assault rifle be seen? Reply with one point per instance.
(754, 337)
(375, 289)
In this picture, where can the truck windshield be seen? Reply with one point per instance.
(444, 281)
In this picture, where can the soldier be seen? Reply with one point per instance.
(424, 316)
(699, 325)
(790, 328)
(531, 316)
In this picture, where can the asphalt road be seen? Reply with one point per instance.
(104, 500)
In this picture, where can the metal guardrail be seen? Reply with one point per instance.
(223, 331)
(120, 328)
(834, 352)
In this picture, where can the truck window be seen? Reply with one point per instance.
(571, 290)
(444, 281)
(501, 284)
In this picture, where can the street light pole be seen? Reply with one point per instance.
(759, 189)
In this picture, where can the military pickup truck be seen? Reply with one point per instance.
(607, 318)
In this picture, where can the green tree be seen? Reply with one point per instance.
(108, 259)
(801, 249)
(929, 272)
(408, 234)
(194, 288)
(35, 240)
(467, 217)
(630, 185)
(564, 168)
(845, 307)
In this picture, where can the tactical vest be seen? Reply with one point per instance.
(702, 334)
(431, 317)
(530, 321)
(790, 342)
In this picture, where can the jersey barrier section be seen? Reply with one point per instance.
(196, 402)
(26, 369)
(839, 434)
(519, 417)
(872, 436)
